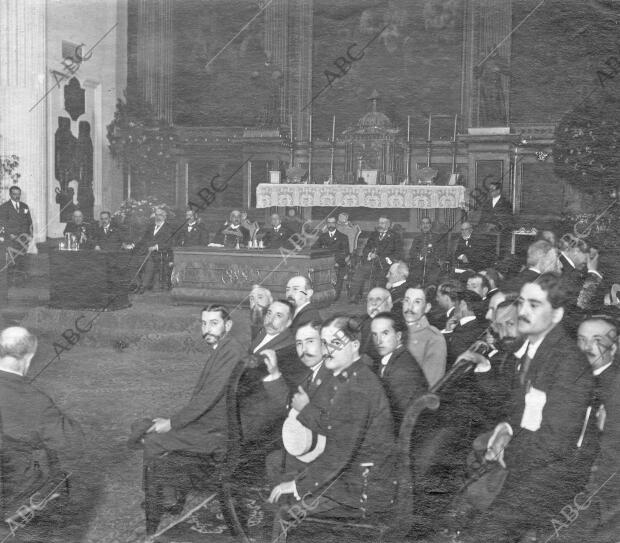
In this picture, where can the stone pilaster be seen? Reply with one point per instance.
(22, 84)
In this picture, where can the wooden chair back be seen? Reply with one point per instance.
(402, 511)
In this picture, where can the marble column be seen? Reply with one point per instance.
(22, 84)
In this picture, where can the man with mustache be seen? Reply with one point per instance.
(539, 440)
(357, 429)
(299, 293)
(260, 299)
(426, 344)
(309, 351)
(201, 426)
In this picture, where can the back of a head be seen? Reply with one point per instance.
(17, 342)
(472, 300)
(450, 288)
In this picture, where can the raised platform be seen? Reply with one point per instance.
(205, 274)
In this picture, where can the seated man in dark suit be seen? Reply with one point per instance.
(81, 230)
(106, 236)
(200, 426)
(472, 251)
(233, 234)
(39, 443)
(157, 245)
(427, 251)
(400, 373)
(397, 285)
(338, 244)
(469, 327)
(383, 248)
(16, 226)
(299, 292)
(278, 235)
(539, 441)
(598, 340)
(193, 233)
(357, 428)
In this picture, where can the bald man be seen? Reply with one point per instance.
(32, 425)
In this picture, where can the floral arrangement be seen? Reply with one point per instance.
(134, 209)
(145, 145)
(8, 170)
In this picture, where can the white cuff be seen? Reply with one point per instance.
(272, 377)
(295, 493)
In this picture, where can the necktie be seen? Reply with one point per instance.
(105, 230)
(381, 236)
(525, 366)
(17, 206)
(467, 242)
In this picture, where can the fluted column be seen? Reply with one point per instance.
(154, 54)
(22, 84)
(486, 24)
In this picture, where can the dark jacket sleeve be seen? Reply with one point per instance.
(404, 383)
(220, 370)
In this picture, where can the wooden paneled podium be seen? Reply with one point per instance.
(219, 275)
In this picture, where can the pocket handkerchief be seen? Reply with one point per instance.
(535, 401)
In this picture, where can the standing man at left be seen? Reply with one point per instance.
(16, 227)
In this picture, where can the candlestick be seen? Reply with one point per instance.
(408, 127)
(334, 129)
(429, 126)
(310, 128)
(456, 116)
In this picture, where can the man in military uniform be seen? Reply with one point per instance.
(425, 342)
(383, 248)
(338, 244)
(425, 254)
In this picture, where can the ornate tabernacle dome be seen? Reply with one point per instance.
(375, 119)
(372, 150)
